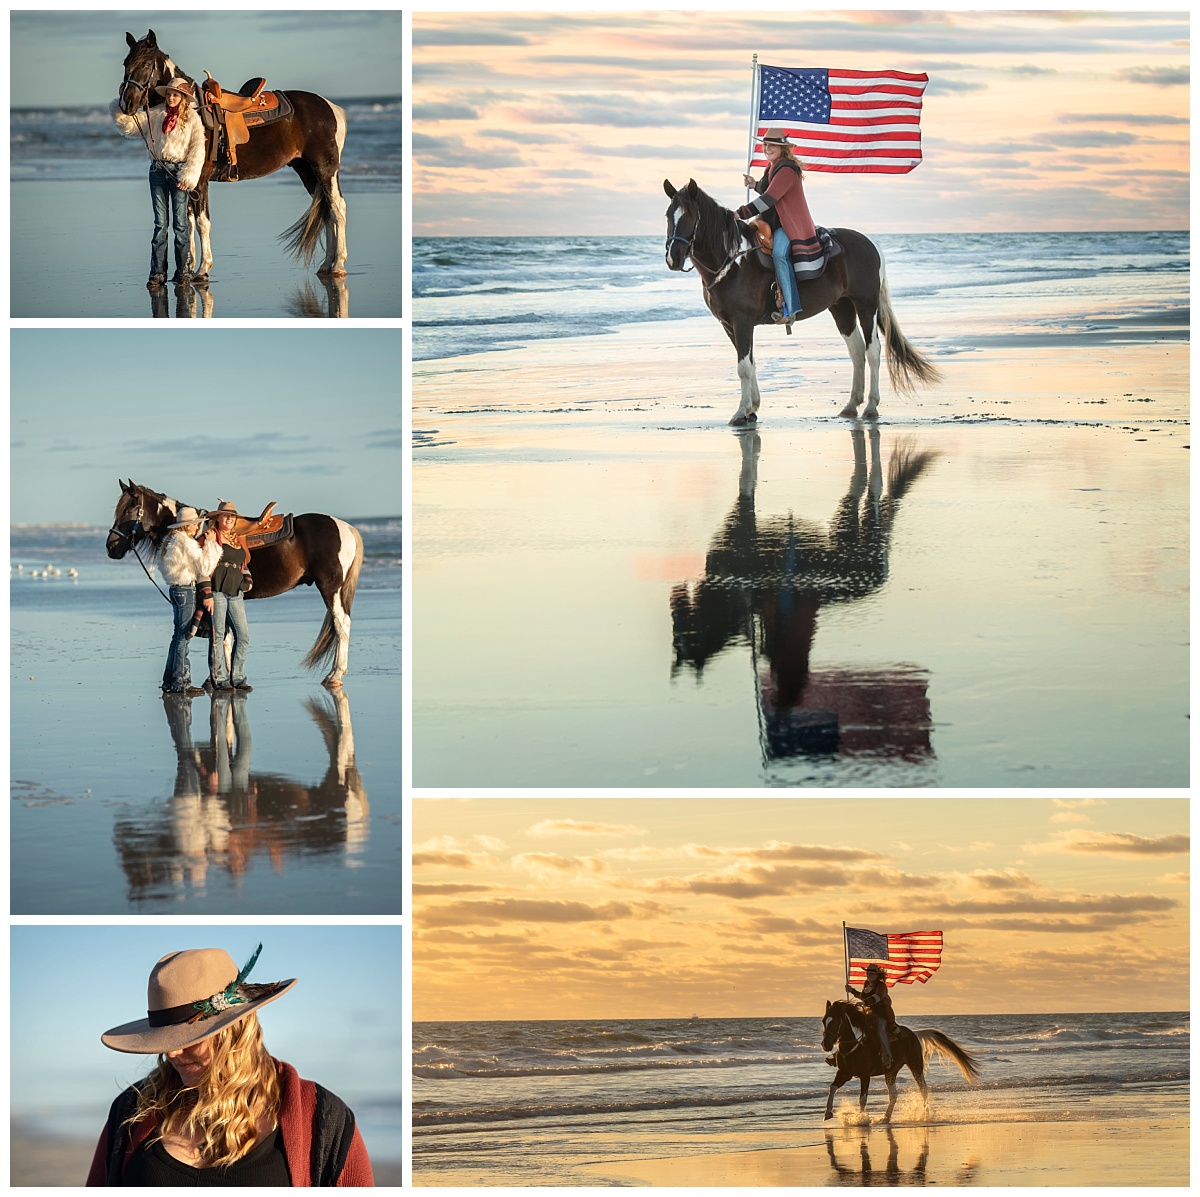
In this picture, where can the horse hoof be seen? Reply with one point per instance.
(849, 412)
(332, 683)
(739, 422)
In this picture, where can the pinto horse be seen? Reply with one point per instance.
(324, 552)
(858, 1054)
(310, 141)
(738, 291)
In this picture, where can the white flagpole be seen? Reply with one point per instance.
(753, 124)
(846, 950)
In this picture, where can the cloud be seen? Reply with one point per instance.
(1158, 76)
(471, 35)
(1005, 879)
(451, 151)
(1115, 843)
(444, 112)
(551, 865)
(582, 827)
(1115, 118)
(1074, 904)
(533, 910)
(386, 438)
(1094, 139)
(447, 860)
(431, 889)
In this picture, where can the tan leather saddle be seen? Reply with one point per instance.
(267, 529)
(236, 113)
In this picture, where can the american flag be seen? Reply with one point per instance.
(913, 956)
(865, 122)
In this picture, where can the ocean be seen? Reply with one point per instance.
(477, 294)
(82, 144)
(509, 1103)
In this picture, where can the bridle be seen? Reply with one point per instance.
(730, 261)
(148, 132)
(130, 539)
(837, 1034)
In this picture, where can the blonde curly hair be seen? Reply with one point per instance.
(239, 1087)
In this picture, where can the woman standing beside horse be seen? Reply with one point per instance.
(187, 565)
(795, 247)
(174, 135)
(230, 580)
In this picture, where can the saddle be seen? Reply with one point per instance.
(231, 116)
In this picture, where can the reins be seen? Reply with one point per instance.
(731, 259)
(130, 537)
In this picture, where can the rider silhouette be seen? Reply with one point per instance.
(874, 997)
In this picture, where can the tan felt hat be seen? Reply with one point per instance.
(192, 995)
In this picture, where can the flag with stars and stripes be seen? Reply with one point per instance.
(912, 956)
(865, 122)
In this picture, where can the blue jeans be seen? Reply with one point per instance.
(177, 675)
(229, 609)
(781, 253)
(170, 215)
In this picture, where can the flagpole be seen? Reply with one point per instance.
(846, 951)
(753, 122)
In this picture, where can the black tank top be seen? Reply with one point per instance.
(227, 577)
(263, 1166)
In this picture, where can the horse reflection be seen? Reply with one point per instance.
(867, 1171)
(191, 302)
(765, 582)
(223, 814)
(305, 304)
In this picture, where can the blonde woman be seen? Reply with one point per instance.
(796, 249)
(218, 1110)
(187, 565)
(174, 135)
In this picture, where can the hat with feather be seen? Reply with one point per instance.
(191, 996)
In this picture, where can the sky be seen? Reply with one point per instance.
(339, 1025)
(307, 417)
(74, 57)
(554, 908)
(566, 123)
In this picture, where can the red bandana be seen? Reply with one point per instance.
(170, 120)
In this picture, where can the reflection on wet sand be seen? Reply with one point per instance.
(856, 1165)
(195, 301)
(765, 581)
(223, 814)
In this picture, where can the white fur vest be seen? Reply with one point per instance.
(184, 143)
(186, 562)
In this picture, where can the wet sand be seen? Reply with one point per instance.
(65, 266)
(285, 801)
(1151, 1150)
(1020, 622)
(52, 1161)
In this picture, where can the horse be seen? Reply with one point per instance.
(858, 1054)
(765, 581)
(309, 140)
(738, 291)
(323, 551)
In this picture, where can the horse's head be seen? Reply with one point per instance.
(141, 514)
(683, 222)
(146, 67)
(835, 1022)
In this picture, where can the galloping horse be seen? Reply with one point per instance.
(858, 1054)
(324, 552)
(737, 290)
(309, 140)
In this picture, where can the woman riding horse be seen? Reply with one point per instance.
(174, 135)
(795, 247)
(875, 998)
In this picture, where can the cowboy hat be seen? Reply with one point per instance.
(874, 968)
(191, 996)
(775, 136)
(223, 507)
(187, 515)
(179, 84)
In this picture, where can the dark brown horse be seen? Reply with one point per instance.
(310, 141)
(738, 291)
(324, 552)
(845, 1028)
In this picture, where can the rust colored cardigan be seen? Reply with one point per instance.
(305, 1140)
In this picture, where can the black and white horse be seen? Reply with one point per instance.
(309, 140)
(737, 290)
(323, 551)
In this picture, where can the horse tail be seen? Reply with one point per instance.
(907, 366)
(324, 650)
(906, 465)
(302, 239)
(935, 1043)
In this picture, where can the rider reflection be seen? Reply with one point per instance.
(868, 1171)
(223, 814)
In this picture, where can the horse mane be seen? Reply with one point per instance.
(154, 536)
(720, 234)
(851, 1010)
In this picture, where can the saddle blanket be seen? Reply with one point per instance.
(831, 246)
